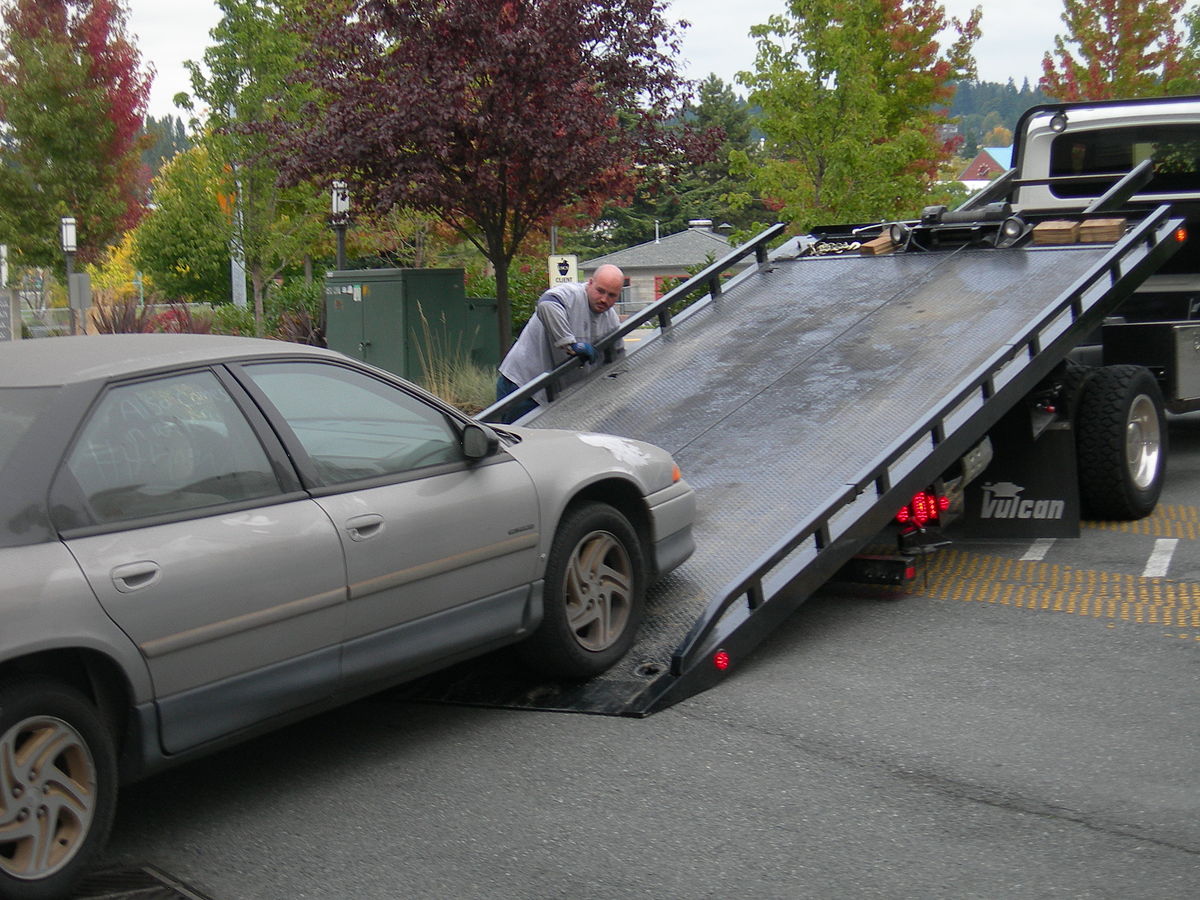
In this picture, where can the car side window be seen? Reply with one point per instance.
(166, 446)
(354, 426)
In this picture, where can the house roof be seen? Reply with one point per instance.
(674, 251)
(1002, 155)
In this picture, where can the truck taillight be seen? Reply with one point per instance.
(1180, 234)
(923, 509)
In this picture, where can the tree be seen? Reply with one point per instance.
(853, 94)
(998, 136)
(166, 138)
(666, 201)
(1126, 48)
(183, 243)
(496, 115)
(976, 102)
(244, 83)
(72, 99)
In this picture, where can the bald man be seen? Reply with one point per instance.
(568, 320)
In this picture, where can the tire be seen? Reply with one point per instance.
(1120, 443)
(57, 771)
(594, 591)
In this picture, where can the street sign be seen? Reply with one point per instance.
(564, 269)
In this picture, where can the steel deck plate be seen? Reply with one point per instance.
(770, 397)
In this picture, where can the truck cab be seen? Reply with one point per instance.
(1066, 156)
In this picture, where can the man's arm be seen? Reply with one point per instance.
(553, 315)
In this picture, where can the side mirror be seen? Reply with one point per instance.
(479, 441)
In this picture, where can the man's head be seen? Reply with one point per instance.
(604, 288)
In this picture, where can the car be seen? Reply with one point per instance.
(205, 537)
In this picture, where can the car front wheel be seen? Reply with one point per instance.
(595, 585)
(57, 788)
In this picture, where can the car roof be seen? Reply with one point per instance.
(44, 362)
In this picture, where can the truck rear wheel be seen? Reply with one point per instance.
(1120, 443)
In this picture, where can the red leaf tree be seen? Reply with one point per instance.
(73, 98)
(496, 115)
(1126, 48)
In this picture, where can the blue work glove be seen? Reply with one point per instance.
(587, 351)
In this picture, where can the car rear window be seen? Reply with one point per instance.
(1175, 150)
(19, 409)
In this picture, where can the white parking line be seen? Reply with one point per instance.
(1038, 549)
(1160, 558)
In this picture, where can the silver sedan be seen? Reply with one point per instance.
(202, 538)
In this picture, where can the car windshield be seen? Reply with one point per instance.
(19, 408)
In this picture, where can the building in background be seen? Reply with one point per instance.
(987, 164)
(651, 268)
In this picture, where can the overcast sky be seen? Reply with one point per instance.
(1016, 33)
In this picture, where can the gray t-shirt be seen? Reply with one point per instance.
(562, 318)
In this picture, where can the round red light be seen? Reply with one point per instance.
(721, 660)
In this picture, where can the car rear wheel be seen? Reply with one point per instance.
(595, 584)
(57, 788)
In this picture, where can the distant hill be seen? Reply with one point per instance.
(982, 106)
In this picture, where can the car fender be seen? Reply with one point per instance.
(48, 606)
(564, 463)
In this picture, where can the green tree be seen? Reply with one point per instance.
(182, 244)
(499, 116)
(999, 136)
(853, 94)
(166, 138)
(244, 85)
(975, 102)
(666, 201)
(1123, 48)
(72, 98)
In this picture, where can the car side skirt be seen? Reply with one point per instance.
(201, 721)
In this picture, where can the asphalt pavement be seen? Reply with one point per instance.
(1023, 723)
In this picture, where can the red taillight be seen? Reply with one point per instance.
(923, 509)
(1180, 234)
(721, 660)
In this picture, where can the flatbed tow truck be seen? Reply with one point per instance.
(814, 394)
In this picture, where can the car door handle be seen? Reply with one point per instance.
(361, 528)
(135, 576)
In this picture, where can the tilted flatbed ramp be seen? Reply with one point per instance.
(806, 403)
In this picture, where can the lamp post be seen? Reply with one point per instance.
(340, 218)
(69, 246)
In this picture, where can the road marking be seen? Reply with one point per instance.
(1160, 558)
(1038, 549)
(1167, 520)
(955, 574)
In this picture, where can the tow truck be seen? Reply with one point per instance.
(1008, 362)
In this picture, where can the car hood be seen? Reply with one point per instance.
(579, 457)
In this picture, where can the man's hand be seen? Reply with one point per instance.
(587, 351)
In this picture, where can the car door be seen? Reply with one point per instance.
(228, 578)
(440, 550)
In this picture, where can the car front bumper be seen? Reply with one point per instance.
(672, 512)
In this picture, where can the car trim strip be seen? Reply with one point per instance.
(439, 566)
(193, 637)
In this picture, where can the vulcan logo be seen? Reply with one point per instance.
(1002, 500)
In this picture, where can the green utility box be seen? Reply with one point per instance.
(400, 319)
